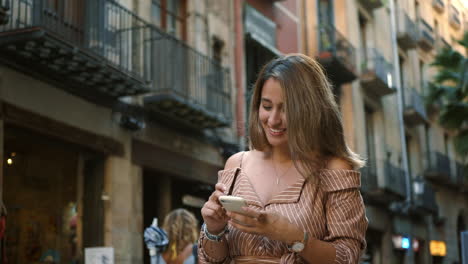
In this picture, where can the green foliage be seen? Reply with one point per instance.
(449, 89)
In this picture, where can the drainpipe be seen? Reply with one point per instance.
(396, 64)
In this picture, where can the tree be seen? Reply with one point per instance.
(449, 90)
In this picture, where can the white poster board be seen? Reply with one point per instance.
(99, 255)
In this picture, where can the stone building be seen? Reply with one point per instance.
(113, 113)
(377, 54)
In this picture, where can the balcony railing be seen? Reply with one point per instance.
(426, 36)
(4, 11)
(371, 4)
(415, 109)
(439, 170)
(97, 47)
(377, 74)
(386, 188)
(395, 179)
(454, 17)
(424, 197)
(407, 31)
(369, 178)
(188, 86)
(438, 5)
(462, 176)
(336, 54)
(92, 45)
(441, 44)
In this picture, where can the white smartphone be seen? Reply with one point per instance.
(233, 203)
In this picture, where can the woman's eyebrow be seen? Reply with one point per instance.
(266, 100)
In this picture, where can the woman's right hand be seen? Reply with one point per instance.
(213, 213)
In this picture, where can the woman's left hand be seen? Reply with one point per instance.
(269, 224)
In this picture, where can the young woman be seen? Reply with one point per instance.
(299, 178)
(182, 229)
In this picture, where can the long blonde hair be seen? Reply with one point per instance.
(315, 129)
(182, 229)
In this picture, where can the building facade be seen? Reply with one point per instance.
(378, 54)
(113, 113)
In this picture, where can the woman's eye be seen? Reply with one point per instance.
(266, 107)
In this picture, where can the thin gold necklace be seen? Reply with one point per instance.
(284, 173)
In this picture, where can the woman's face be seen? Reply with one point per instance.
(272, 113)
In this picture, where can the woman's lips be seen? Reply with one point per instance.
(277, 132)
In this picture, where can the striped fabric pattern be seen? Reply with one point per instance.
(330, 209)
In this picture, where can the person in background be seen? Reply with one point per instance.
(182, 229)
(299, 178)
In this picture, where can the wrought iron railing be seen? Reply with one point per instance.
(130, 44)
(454, 15)
(442, 43)
(374, 61)
(438, 4)
(369, 177)
(407, 25)
(178, 69)
(439, 163)
(462, 174)
(395, 178)
(426, 32)
(413, 100)
(104, 27)
(332, 41)
(424, 195)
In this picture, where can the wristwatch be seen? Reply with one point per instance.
(298, 246)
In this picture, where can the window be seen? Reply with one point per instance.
(217, 49)
(169, 15)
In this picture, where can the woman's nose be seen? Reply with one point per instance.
(275, 118)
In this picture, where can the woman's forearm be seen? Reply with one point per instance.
(318, 251)
(215, 250)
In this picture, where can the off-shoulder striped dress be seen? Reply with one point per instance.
(330, 209)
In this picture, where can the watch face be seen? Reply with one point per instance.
(297, 247)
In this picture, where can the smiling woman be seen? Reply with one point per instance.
(302, 192)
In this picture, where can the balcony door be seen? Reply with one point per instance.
(65, 18)
(326, 25)
(169, 15)
(370, 141)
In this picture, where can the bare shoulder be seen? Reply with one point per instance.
(339, 164)
(234, 160)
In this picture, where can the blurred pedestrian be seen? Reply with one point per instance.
(182, 229)
(299, 178)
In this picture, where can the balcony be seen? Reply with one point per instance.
(424, 197)
(462, 177)
(337, 55)
(407, 32)
(188, 87)
(371, 4)
(438, 5)
(415, 110)
(441, 44)
(389, 187)
(425, 36)
(89, 48)
(439, 170)
(454, 18)
(4, 11)
(377, 74)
